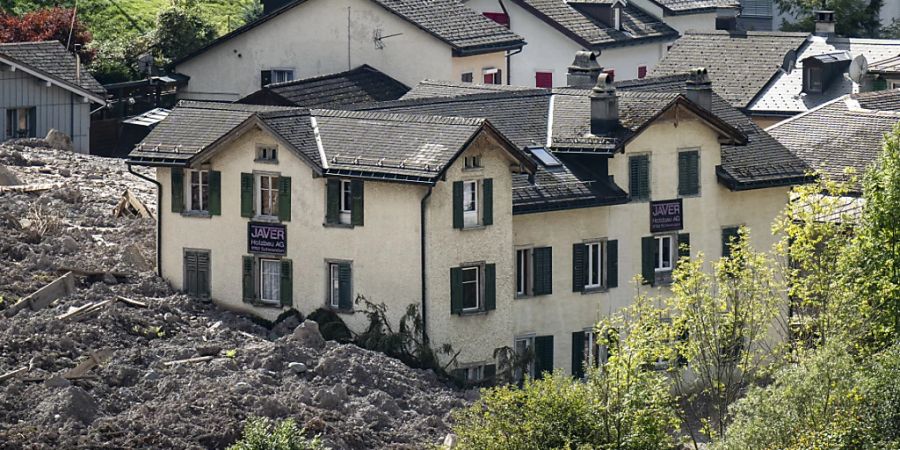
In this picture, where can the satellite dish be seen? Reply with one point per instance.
(859, 67)
(790, 60)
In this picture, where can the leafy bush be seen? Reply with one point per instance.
(259, 434)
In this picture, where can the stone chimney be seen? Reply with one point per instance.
(584, 70)
(824, 23)
(698, 88)
(604, 106)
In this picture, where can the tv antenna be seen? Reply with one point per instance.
(379, 38)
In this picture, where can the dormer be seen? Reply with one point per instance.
(607, 12)
(821, 70)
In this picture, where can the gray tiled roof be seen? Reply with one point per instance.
(437, 88)
(739, 64)
(889, 65)
(692, 6)
(888, 100)
(51, 57)
(363, 84)
(840, 134)
(783, 94)
(462, 28)
(637, 25)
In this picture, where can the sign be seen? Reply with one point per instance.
(266, 238)
(666, 215)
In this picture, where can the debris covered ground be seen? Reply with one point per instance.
(147, 367)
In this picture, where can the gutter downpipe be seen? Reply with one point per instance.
(158, 217)
(508, 54)
(422, 248)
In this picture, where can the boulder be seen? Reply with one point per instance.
(297, 367)
(8, 178)
(59, 140)
(307, 334)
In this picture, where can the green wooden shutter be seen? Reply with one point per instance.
(639, 177)
(345, 286)
(578, 354)
(332, 200)
(688, 173)
(648, 254)
(190, 273)
(579, 258)
(457, 204)
(284, 198)
(487, 201)
(490, 287)
(543, 355)
(542, 258)
(215, 193)
(203, 269)
(729, 235)
(455, 290)
(177, 190)
(683, 188)
(694, 172)
(490, 372)
(612, 264)
(246, 195)
(357, 206)
(287, 283)
(248, 280)
(684, 245)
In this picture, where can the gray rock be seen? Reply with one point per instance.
(59, 140)
(68, 245)
(307, 334)
(110, 279)
(449, 442)
(209, 350)
(72, 403)
(297, 367)
(8, 178)
(65, 173)
(57, 381)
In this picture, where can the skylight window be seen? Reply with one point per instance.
(545, 157)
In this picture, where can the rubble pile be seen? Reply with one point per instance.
(123, 361)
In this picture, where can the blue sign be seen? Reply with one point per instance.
(266, 238)
(666, 215)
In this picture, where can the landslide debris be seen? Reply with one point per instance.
(181, 373)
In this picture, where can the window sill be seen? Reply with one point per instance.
(697, 195)
(338, 225)
(523, 296)
(197, 214)
(479, 312)
(266, 161)
(340, 310)
(472, 169)
(472, 227)
(261, 304)
(269, 219)
(594, 290)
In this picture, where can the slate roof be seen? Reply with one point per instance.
(695, 6)
(52, 58)
(637, 25)
(841, 134)
(890, 66)
(740, 64)
(463, 29)
(363, 84)
(437, 88)
(785, 93)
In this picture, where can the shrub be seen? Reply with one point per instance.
(260, 434)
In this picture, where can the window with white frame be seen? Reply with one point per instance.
(664, 253)
(594, 275)
(471, 288)
(267, 153)
(523, 272)
(474, 374)
(524, 348)
(470, 203)
(197, 190)
(346, 206)
(492, 76)
(595, 354)
(334, 284)
(267, 195)
(270, 280)
(472, 162)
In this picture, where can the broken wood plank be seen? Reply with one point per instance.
(29, 187)
(9, 375)
(74, 312)
(85, 311)
(189, 360)
(130, 205)
(93, 273)
(42, 298)
(131, 302)
(94, 359)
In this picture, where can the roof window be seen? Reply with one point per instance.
(546, 158)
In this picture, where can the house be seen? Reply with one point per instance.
(364, 84)
(774, 75)
(43, 87)
(886, 73)
(409, 40)
(629, 39)
(845, 133)
(511, 217)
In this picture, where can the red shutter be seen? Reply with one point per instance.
(543, 80)
(642, 71)
(498, 17)
(489, 78)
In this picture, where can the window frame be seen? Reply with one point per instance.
(479, 287)
(594, 354)
(189, 190)
(599, 283)
(273, 192)
(496, 77)
(334, 289)
(528, 340)
(658, 253)
(470, 75)
(289, 71)
(525, 284)
(261, 280)
(345, 203)
(14, 116)
(471, 217)
(472, 162)
(262, 156)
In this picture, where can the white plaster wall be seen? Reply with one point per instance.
(477, 63)
(565, 311)
(550, 50)
(312, 40)
(697, 22)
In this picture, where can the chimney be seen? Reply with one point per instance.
(698, 88)
(604, 106)
(824, 23)
(584, 70)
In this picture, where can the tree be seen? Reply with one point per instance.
(853, 18)
(179, 31)
(53, 24)
(259, 434)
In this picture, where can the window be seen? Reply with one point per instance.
(471, 288)
(762, 8)
(492, 76)
(334, 295)
(730, 238)
(595, 265)
(642, 72)
(472, 162)
(20, 123)
(340, 285)
(499, 17)
(689, 172)
(470, 203)
(474, 374)
(546, 158)
(198, 190)
(543, 80)
(346, 201)
(523, 272)
(814, 79)
(664, 252)
(267, 195)
(594, 354)
(594, 271)
(270, 280)
(639, 177)
(617, 18)
(524, 347)
(276, 76)
(467, 77)
(266, 153)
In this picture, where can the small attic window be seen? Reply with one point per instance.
(545, 157)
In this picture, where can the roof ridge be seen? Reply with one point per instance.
(784, 34)
(358, 68)
(805, 113)
(398, 117)
(499, 95)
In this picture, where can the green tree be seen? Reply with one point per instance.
(853, 18)
(260, 434)
(181, 30)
